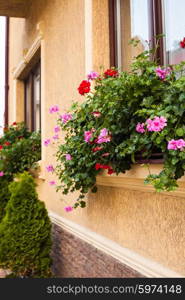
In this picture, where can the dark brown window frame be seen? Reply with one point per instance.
(113, 34)
(156, 21)
(155, 28)
(29, 76)
(6, 111)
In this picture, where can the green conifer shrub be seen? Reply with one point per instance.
(4, 195)
(25, 232)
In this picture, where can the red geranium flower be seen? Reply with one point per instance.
(14, 124)
(100, 166)
(84, 87)
(97, 166)
(110, 73)
(97, 149)
(110, 171)
(1, 147)
(105, 167)
(7, 143)
(182, 43)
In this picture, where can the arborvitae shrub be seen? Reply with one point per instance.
(25, 232)
(4, 195)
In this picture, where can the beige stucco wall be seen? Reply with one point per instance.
(150, 224)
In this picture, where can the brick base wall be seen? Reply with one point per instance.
(72, 257)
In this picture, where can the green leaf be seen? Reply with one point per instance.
(82, 204)
(179, 132)
(94, 189)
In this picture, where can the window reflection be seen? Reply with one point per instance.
(33, 99)
(134, 25)
(174, 25)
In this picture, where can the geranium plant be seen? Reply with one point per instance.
(20, 149)
(124, 114)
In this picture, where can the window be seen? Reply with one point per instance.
(143, 19)
(174, 24)
(32, 85)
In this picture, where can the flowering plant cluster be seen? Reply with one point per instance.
(125, 114)
(157, 124)
(19, 150)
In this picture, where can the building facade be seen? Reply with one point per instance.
(127, 229)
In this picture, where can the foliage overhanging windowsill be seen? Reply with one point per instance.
(134, 180)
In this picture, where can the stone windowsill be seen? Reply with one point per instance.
(134, 180)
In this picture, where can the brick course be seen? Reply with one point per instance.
(74, 258)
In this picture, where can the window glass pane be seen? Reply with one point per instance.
(134, 25)
(33, 99)
(139, 20)
(28, 102)
(174, 24)
(36, 83)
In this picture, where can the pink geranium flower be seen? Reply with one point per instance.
(180, 144)
(68, 157)
(105, 154)
(149, 123)
(56, 137)
(53, 109)
(88, 135)
(52, 182)
(66, 117)
(162, 73)
(56, 129)
(47, 142)
(1, 174)
(96, 114)
(163, 121)
(92, 75)
(172, 145)
(103, 137)
(157, 124)
(68, 208)
(176, 144)
(50, 168)
(140, 127)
